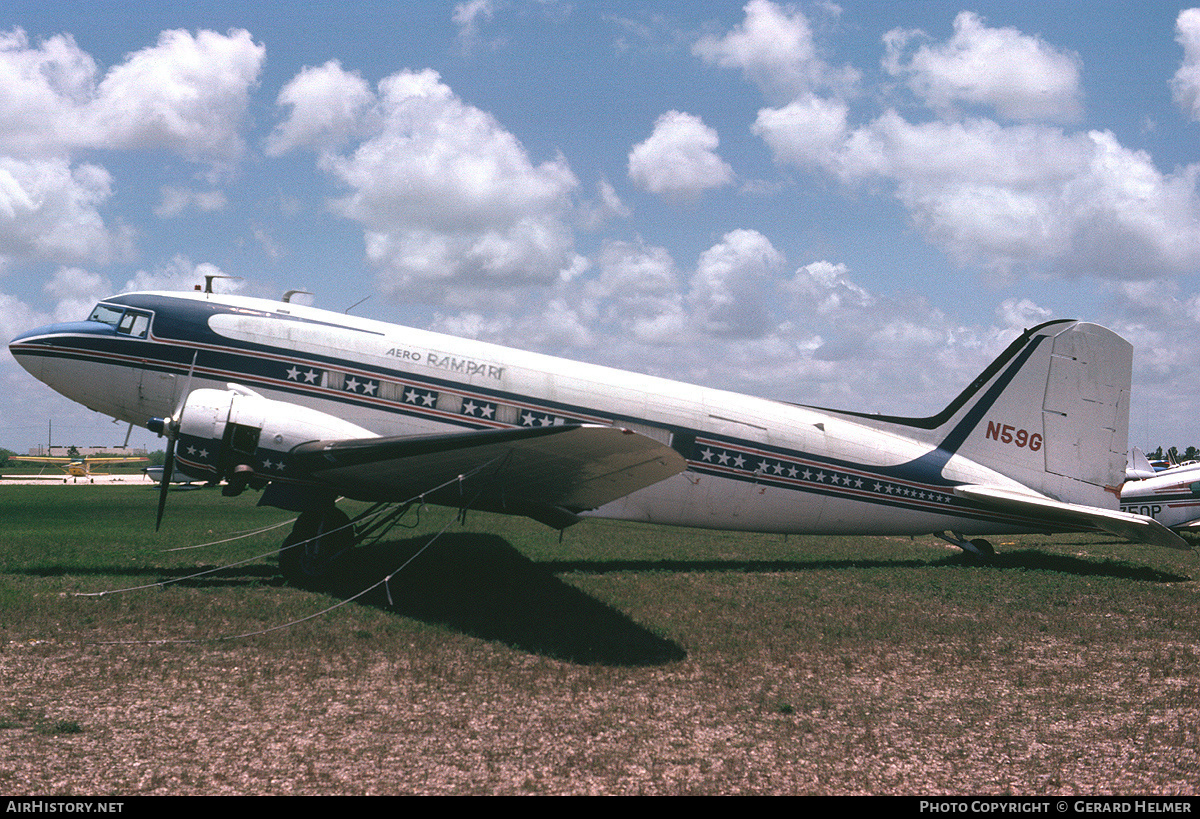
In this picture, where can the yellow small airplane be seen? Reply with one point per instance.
(77, 467)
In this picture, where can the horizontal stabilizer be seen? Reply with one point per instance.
(569, 467)
(1137, 528)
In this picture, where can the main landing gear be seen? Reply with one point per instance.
(978, 547)
(317, 539)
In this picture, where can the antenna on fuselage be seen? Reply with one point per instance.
(208, 280)
(287, 297)
(351, 307)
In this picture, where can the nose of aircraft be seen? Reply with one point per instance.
(33, 348)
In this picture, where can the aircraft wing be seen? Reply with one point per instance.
(1137, 528)
(36, 459)
(548, 473)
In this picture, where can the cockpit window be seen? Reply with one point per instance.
(107, 314)
(127, 321)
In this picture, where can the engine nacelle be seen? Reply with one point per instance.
(241, 437)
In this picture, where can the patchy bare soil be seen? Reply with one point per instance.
(487, 669)
(474, 717)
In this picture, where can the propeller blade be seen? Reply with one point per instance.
(168, 468)
(171, 427)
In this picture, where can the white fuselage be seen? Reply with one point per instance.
(753, 464)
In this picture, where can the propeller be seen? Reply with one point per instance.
(170, 427)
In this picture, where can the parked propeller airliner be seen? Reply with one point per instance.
(309, 405)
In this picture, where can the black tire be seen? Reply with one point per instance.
(319, 536)
(986, 552)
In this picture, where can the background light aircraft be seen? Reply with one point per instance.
(309, 405)
(1139, 466)
(77, 467)
(1172, 497)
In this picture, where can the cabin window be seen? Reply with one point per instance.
(134, 324)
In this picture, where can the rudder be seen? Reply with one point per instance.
(1055, 414)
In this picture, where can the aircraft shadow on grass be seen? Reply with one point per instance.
(479, 584)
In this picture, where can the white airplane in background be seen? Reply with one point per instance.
(1172, 497)
(309, 405)
(1139, 466)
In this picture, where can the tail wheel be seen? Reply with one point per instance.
(317, 538)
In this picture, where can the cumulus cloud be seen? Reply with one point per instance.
(45, 92)
(326, 106)
(636, 293)
(824, 288)
(187, 95)
(807, 131)
(1019, 76)
(1186, 82)
(446, 196)
(774, 48)
(50, 211)
(76, 292)
(679, 158)
(729, 290)
(1017, 197)
(469, 16)
(1009, 197)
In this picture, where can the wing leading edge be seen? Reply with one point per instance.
(548, 473)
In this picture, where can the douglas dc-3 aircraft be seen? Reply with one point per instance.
(309, 405)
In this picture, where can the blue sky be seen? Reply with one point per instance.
(853, 205)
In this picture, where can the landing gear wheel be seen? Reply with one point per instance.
(986, 552)
(317, 538)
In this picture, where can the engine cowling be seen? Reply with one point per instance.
(241, 437)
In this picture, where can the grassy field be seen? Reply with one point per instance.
(624, 659)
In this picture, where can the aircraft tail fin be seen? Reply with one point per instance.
(1056, 415)
(1051, 412)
